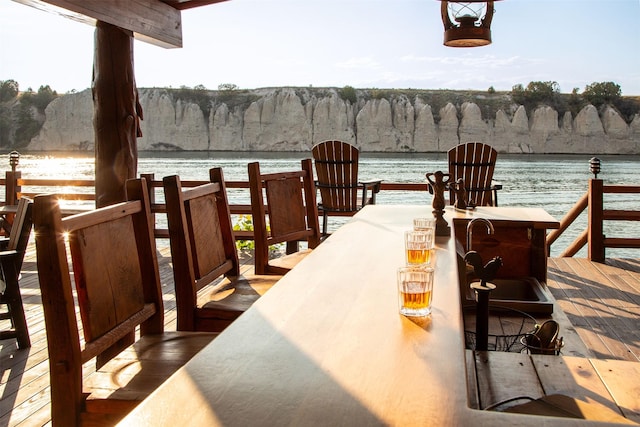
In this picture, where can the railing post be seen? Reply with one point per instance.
(11, 180)
(596, 233)
(149, 177)
(11, 187)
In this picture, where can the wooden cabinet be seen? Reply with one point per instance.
(519, 238)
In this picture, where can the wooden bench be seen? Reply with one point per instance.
(114, 265)
(566, 386)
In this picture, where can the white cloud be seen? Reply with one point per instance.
(490, 61)
(359, 63)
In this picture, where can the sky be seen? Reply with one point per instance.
(335, 43)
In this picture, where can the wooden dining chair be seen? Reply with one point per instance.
(284, 210)
(210, 292)
(110, 256)
(12, 253)
(474, 163)
(341, 192)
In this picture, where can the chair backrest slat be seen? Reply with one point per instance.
(474, 162)
(336, 164)
(21, 227)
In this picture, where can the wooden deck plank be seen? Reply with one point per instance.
(624, 387)
(497, 384)
(603, 314)
(573, 383)
(572, 376)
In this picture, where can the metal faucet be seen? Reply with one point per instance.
(470, 225)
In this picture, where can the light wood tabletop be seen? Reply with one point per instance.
(327, 346)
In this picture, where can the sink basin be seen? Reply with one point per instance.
(523, 293)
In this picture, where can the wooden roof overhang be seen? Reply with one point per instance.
(154, 21)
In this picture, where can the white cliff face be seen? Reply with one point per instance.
(425, 137)
(332, 119)
(288, 119)
(543, 128)
(448, 128)
(225, 127)
(277, 122)
(375, 126)
(68, 125)
(171, 125)
(472, 127)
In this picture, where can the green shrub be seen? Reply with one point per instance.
(244, 223)
(41, 99)
(348, 93)
(381, 94)
(198, 95)
(8, 90)
(602, 93)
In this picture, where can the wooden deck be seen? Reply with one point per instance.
(601, 301)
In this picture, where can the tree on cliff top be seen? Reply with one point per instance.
(602, 93)
(39, 99)
(537, 93)
(348, 93)
(8, 90)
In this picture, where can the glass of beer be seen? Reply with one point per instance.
(418, 247)
(424, 224)
(415, 290)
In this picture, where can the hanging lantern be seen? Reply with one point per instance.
(467, 24)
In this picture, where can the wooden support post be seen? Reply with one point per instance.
(117, 113)
(595, 229)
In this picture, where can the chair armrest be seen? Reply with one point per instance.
(374, 186)
(494, 189)
(8, 255)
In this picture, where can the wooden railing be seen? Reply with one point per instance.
(593, 236)
(84, 191)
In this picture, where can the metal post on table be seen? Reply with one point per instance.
(482, 290)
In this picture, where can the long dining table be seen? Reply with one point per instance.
(327, 346)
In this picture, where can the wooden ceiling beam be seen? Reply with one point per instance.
(152, 21)
(188, 4)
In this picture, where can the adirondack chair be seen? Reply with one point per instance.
(341, 193)
(11, 257)
(474, 163)
(115, 270)
(210, 292)
(290, 210)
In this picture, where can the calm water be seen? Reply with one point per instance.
(551, 182)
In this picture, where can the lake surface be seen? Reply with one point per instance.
(552, 182)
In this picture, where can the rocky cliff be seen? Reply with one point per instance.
(293, 119)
